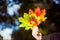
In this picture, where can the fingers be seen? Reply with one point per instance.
(36, 33)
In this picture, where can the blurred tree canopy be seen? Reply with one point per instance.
(22, 34)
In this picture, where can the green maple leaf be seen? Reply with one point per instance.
(21, 19)
(22, 25)
(24, 21)
(26, 16)
(27, 28)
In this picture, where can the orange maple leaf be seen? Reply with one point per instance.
(37, 11)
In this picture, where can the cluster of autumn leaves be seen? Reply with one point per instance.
(33, 18)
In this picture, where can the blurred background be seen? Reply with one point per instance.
(10, 10)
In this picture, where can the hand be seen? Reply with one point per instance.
(36, 33)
